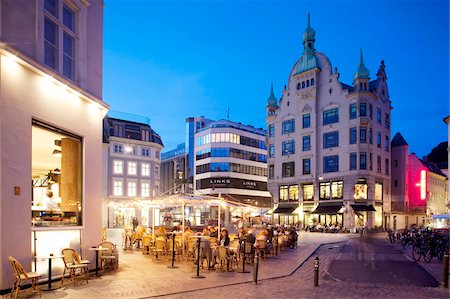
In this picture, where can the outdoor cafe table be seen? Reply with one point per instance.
(50, 258)
(97, 249)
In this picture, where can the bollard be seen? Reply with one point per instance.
(198, 261)
(255, 269)
(445, 272)
(276, 247)
(243, 260)
(316, 271)
(173, 253)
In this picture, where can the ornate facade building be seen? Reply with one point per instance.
(329, 144)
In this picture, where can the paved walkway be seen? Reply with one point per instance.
(140, 277)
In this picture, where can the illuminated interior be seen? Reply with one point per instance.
(56, 177)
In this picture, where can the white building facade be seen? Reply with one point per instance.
(329, 144)
(132, 158)
(51, 113)
(231, 160)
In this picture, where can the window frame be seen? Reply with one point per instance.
(288, 126)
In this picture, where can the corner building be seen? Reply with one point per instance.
(329, 144)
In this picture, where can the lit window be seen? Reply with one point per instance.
(308, 192)
(293, 193)
(283, 193)
(145, 169)
(118, 188)
(145, 189)
(378, 191)
(331, 190)
(132, 189)
(118, 167)
(360, 192)
(132, 168)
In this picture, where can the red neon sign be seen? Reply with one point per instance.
(423, 184)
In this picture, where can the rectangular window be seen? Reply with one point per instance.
(156, 172)
(370, 111)
(145, 152)
(386, 143)
(386, 166)
(145, 169)
(352, 111)
(157, 154)
(379, 139)
(271, 150)
(353, 136)
(288, 126)
(145, 189)
(330, 116)
(363, 161)
(132, 189)
(362, 135)
(306, 143)
(331, 190)
(271, 130)
(331, 139)
(118, 148)
(288, 169)
(68, 56)
(51, 6)
(293, 193)
(56, 177)
(360, 192)
(308, 192)
(118, 167)
(118, 130)
(283, 193)
(378, 191)
(370, 136)
(331, 164)
(387, 121)
(132, 168)
(118, 188)
(306, 121)
(307, 166)
(271, 171)
(288, 147)
(69, 18)
(50, 44)
(363, 109)
(379, 116)
(352, 161)
(379, 164)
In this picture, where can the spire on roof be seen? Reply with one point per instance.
(272, 101)
(362, 72)
(398, 140)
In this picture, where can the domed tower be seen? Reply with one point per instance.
(272, 102)
(361, 76)
(308, 60)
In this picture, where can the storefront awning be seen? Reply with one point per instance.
(284, 210)
(363, 208)
(324, 208)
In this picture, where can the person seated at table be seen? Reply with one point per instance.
(224, 238)
(240, 233)
(161, 232)
(292, 239)
(205, 232)
(213, 232)
(250, 238)
(176, 229)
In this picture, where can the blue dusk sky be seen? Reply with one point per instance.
(169, 60)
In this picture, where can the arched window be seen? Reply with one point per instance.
(312, 82)
(307, 83)
(360, 86)
(303, 84)
(298, 86)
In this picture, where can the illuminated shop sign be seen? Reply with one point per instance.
(423, 184)
(231, 183)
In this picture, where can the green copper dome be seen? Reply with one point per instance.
(308, 61)
(362, 72)
(272, 100)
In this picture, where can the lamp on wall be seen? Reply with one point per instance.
(56, 153)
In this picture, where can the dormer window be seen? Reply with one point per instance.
(298, 86)
(312, 82)
(307, 83)
(303, 84)
(309, 45)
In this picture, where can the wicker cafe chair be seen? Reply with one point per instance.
(73, 265)
(159, 249)
(21, 276)
(146, 244)
(191, 248)
(225, 259)
(109, 258)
